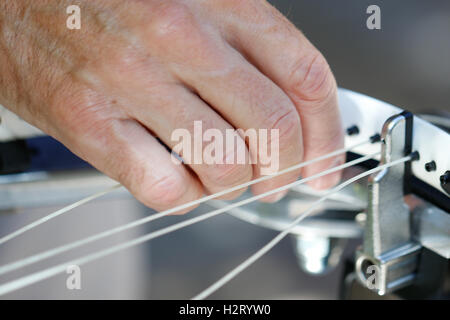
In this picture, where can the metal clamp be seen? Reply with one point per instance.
(389, 256)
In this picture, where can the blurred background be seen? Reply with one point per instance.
(406, 63)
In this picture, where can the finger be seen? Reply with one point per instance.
(269, 121)
(212, 144)
(234, 88)
(95, 129)
(281, 52)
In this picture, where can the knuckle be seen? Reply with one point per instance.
(173, 20)
(287, 122)
(311, 78)
(230, 174)
(166, 191)
(130, 169)
(126, 61)
(81, 111)
(121, 171)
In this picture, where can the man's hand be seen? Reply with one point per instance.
(137, 70)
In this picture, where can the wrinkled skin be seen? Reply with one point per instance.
(138, 69)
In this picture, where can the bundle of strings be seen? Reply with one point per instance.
(52, 271)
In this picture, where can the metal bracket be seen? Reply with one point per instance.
(389, 257)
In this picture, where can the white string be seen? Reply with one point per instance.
(56, 214)
(58, 250)
(184, 206)
(52, 252)
(233, 273)
(47, 273)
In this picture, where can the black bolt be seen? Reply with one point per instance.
(415, 156)
(375, 138)
(445, 181)
(353, 130)
(430, 166)
(445, 178)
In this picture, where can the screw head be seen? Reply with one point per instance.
(430, 166)
(353, 130)
(445, 181)
(445, 178)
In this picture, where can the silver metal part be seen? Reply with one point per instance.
(318, 255)
(322, 222)
(46, 189)
(388, 245)
(431, 226)
(370, 114)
